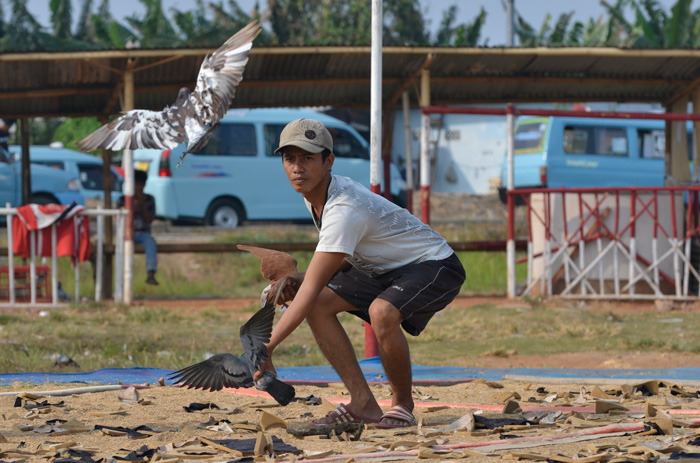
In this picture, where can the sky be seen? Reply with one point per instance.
(533, 11)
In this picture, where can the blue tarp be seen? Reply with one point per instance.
(373, 372)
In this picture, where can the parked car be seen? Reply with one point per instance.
(86, 167)
(48, 185)
(237, 176)
(577, 152)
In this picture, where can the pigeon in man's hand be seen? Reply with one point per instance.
(227, 370)
(279, 268)
(194, 114)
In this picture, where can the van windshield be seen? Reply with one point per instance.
(345, 145)
(529, 136)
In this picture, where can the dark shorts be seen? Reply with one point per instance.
(419, 291)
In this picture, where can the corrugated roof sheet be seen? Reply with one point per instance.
(89, 83)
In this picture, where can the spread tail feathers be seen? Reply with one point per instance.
(281, 392)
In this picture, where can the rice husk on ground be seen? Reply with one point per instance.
(161, 409)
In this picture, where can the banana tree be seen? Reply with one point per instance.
(462, 35)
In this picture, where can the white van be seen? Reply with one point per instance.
(237, 176)
(86, 167)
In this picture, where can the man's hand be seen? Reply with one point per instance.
(266, 366)
(286, 288)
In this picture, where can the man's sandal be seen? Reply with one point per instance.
(399, 413)
(342, 415)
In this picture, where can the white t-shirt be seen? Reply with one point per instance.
(378, 235)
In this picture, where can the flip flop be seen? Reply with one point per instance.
(342, 415)
(397, 412)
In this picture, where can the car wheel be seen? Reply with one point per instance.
(43, 199)
(226, 213)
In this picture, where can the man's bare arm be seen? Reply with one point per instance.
(322, 267)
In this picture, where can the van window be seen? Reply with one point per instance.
(272, 138)
(231, 140)
(528, 137)
(53, 164)
(91, 178)
(604, 141)
(345, 144)
(652, 143)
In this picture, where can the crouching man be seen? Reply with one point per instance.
(374, 260)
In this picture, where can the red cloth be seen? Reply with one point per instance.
(40, 218)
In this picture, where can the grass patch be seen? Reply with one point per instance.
(117, 336)
(235, 275)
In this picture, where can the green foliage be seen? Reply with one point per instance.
(404, 24)
(462, 35)
(61, 19)
(74, 129)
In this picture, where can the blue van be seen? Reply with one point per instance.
(237, 176)
(49, 186)
(86, 167)
(577, 152)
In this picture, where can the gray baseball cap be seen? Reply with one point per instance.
(307, 134)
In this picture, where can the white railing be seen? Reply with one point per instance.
(99, 214)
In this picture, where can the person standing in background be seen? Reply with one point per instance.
(144, 213)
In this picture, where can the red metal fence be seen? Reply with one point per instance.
(626, 242)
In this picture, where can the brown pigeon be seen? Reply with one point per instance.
(274, 265)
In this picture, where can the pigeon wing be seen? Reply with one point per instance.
(220, 74)
(256, 332)
(218, 77)
(215, 373)
(139, 129)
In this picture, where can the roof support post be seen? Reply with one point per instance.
(26, 170)
(128, 166)
(696, 136)
(387, 141)
(409, 150)
(106, 284)
(425, 147)
(678, 170)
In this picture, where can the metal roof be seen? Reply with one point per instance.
(90, 82)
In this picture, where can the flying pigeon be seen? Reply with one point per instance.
(194, 114)
(227, 370)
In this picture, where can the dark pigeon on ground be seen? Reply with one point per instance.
(227, 370)
(194, 114)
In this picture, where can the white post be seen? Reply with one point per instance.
(100, 255)
(10, 256)
(54, 266)
(32, 266)
(409, 150)
(375, 137)
(119, 260)
(510, 23)
(510, 244)
(77, 260)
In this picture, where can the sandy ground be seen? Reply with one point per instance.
(26, 433)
